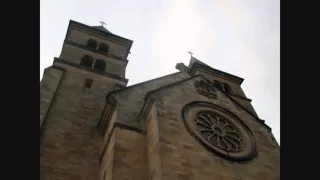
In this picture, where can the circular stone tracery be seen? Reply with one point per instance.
(217, 131)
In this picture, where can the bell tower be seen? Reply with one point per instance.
(95, 48)
(72, 96)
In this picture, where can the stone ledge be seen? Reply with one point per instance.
(90, 70)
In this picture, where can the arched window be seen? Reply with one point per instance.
(104, 47)
(86, 61)
(92, 44)
(227, 88)
(100, 65)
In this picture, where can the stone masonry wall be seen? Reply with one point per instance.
(131, 100)
(48, 87)
(107, 161)
(130, 160)
(70, 147)
(184, 158)
(82, 38)
(154, 161)
(236, 89)
(107, 147)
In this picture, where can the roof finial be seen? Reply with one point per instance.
(102, 23)
(190, 53)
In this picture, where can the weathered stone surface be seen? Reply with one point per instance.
(48, 87)
(69, 142)
(130, 160)
(131, 100)
(138, 132)
(199, 161)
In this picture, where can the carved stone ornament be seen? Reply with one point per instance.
(219, 130)
(206, 88)
(181, 67)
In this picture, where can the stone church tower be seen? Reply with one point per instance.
(195, 124)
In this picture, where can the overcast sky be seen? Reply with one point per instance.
(241, 37)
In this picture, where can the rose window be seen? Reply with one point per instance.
(217, 131)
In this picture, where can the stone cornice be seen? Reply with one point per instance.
(240, 97)
(96, 51)
(106, 34)
(90, 70)
(253, 115)
(196, 67)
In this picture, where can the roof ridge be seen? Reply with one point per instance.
(143, 82)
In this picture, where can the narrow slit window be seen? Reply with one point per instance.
(88, 83)
(104, 175)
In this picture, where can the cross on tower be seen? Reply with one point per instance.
(102, 23)
(190, 53)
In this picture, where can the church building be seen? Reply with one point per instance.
(194, 124)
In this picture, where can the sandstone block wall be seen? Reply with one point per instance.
(70, 147)
(131, 100)
(129, 160)
(154, 161)
(184, 158)
(48, 86)
(236, 89)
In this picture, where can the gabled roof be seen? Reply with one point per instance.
(194, 60)
(154, 91)
(114, 92)
(101, 28)
(195, 65)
